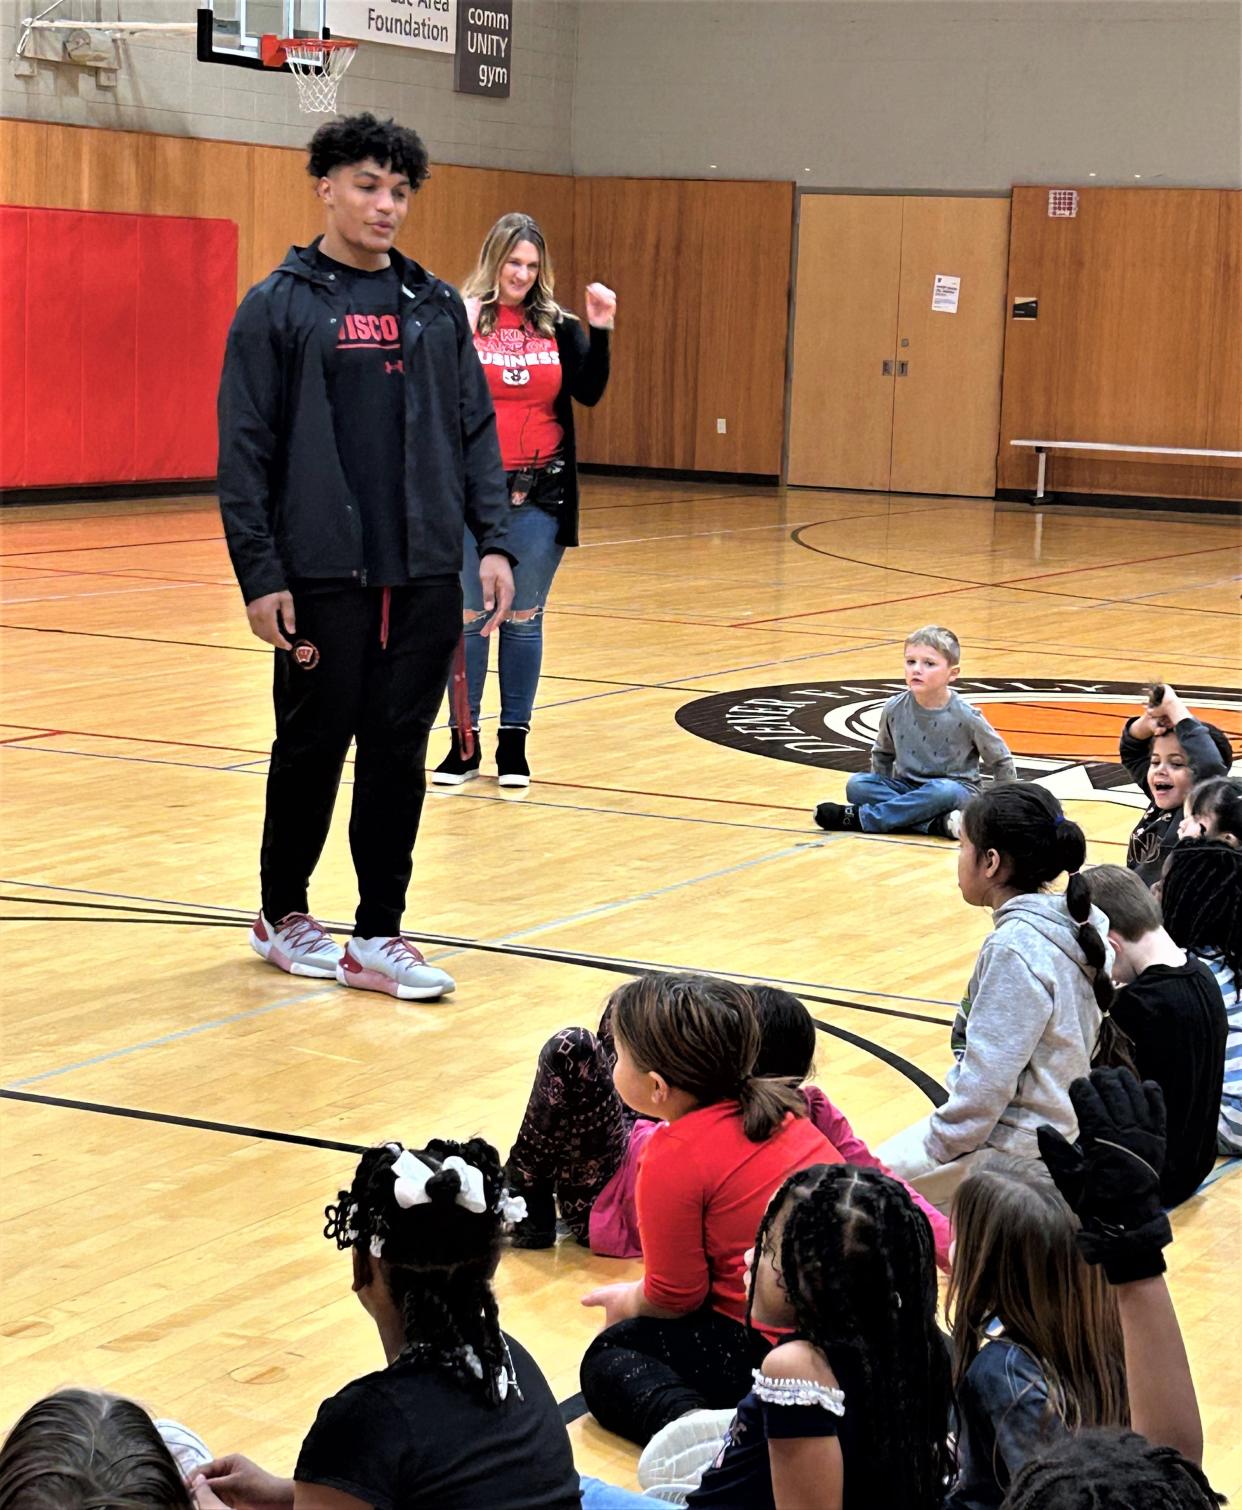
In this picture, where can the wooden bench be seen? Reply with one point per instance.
(1042, 447)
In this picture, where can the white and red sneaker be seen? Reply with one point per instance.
(392, 965)
(297, 944)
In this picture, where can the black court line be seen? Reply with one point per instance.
(956, 584)
(151, 916)
(105, 1108)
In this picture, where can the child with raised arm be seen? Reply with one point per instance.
(1170, 1010)
(927, 751)
(1167, 751)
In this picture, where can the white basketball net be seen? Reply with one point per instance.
(318, 67)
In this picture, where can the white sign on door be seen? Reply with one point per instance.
(427, 24)
(945, 291)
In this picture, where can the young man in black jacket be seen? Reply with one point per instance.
(357, 442)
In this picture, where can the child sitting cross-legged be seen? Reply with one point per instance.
(927, 751)
(579, 1146)
(1173, 1017)
(1167, 751)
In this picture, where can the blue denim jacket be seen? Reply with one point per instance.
(1003, 1421)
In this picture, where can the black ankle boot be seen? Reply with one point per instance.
(538, 1228)
(511, 767)
(455, 769)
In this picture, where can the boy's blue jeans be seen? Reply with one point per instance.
(532, 539)
(888, 803)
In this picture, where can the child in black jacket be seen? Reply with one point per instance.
(1167, 751)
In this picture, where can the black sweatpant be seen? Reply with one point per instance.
(639, 1375)
(382, 666)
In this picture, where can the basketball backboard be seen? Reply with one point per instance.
(229, 31)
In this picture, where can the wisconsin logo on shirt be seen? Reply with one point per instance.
(376, 332)
(516, 377)
(1063, 734)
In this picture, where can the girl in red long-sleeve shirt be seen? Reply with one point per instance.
(580, 1147)
(676, 1340)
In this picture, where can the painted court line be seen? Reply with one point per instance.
(166, 1038)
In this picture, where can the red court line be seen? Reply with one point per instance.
(121, 545)
(1008, 582)
(810, 613)
(1207, 550)
(139, 739)
(18, 738)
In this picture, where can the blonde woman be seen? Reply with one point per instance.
(538, 359)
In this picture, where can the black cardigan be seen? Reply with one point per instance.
(584, 354)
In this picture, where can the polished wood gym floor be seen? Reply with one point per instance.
(171, 1105)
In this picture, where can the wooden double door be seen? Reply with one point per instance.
(896, 371)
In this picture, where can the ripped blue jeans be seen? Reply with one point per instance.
(532, 539)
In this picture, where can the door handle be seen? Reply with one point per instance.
(886, 368)
(903, 369)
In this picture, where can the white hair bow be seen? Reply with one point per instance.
(410, 1177)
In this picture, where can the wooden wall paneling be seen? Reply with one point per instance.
(645, 239)
(1136, 340)
(456, 208)
(845, 327)
(946, 410)
(283, 209)
(744, 327)
(1224, 376)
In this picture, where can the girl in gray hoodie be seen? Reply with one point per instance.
(1029, 1022)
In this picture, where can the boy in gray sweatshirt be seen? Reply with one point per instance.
(927, 751)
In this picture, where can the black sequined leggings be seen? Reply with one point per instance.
(576, 1129)
(639, 1375)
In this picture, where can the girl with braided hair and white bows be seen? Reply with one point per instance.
(460, 1416)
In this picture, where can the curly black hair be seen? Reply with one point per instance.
(1110, 1469)
(362, 138)
(438, 1257)
(858, 1264)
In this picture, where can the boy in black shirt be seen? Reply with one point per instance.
(357, 444)
(1170, 1007)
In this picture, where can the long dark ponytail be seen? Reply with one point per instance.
(1024, 823)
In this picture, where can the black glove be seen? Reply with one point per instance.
(1111, 1176)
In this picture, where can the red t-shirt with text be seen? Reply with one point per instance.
(703, 1187)
(523, 370)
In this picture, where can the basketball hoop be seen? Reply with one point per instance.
(317, 63)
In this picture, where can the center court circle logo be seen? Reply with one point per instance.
(1062, 734)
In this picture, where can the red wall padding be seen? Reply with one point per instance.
(112, 332)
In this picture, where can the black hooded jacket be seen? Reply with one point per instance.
(287, 508)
